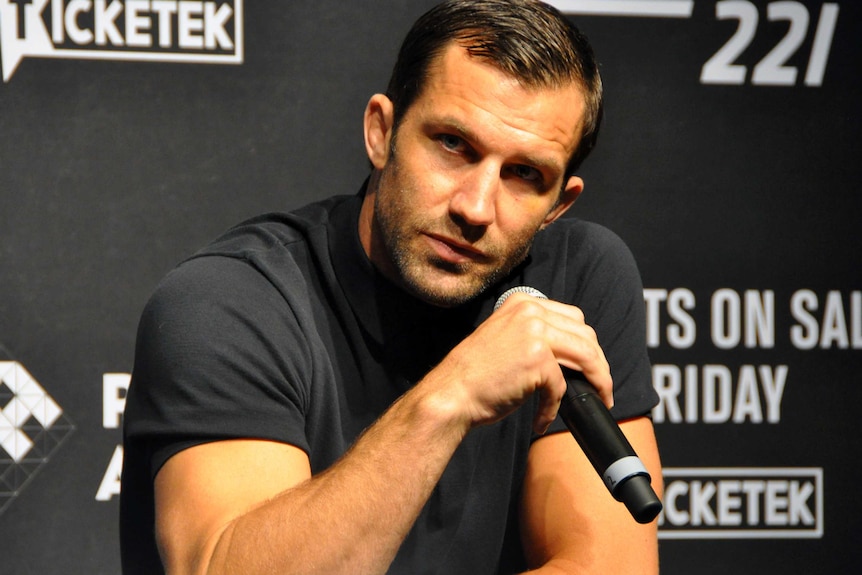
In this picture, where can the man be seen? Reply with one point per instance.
(328, 391)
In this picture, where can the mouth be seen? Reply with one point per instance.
(455, 251)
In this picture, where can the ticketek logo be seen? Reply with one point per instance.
(32, 427)
(742, 503)
(207, 31)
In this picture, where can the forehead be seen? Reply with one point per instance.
(474, 91)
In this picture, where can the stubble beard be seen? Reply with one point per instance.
(430, 278)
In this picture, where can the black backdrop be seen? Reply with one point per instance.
(732, 179)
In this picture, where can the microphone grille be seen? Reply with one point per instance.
(518, 289)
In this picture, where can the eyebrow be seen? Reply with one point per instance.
(538, 162)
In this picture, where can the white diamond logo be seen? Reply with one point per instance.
(32, 427)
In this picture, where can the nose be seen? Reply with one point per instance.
(474, 201)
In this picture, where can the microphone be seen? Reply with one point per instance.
(602, 440)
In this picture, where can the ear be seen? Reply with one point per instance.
(574, 187)
(379, 117)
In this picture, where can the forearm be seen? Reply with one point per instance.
(354, 516)
(571, 523)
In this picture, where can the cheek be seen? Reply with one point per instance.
(522, 216)
(433, 180)
(427, 191)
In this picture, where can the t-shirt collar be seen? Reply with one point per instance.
(384, 309)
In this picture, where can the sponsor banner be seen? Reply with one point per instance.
(209, 32)
(742, 503)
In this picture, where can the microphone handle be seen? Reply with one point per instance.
(609, 450)
(601, 439)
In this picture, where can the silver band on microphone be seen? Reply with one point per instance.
(518, 289)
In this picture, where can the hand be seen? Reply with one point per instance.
(518, 351)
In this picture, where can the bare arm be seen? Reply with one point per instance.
(571, 523)
(252, 506)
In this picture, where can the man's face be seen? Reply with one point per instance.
(476, 169)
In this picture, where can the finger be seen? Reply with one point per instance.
(573, 343)
(576, 346)
(589, 358)
(550, 396)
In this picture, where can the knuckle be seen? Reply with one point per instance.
(534, 327)
(578, 314)
(535, 351)
(528, 306)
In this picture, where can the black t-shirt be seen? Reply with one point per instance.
(282, 330)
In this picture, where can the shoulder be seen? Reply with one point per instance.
(252, 280)
(258, 263)
(576, 258)
(287, 230)
(582, 239)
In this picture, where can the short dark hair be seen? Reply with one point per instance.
(527, 39)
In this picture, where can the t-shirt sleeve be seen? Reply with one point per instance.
(604, 281)
(619, 317)
(219, 355)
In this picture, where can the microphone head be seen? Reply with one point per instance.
(518, 289)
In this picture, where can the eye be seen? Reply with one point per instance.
(527, 173)
(450, 142)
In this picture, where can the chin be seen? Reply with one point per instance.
(444, 284)
(448, 292)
